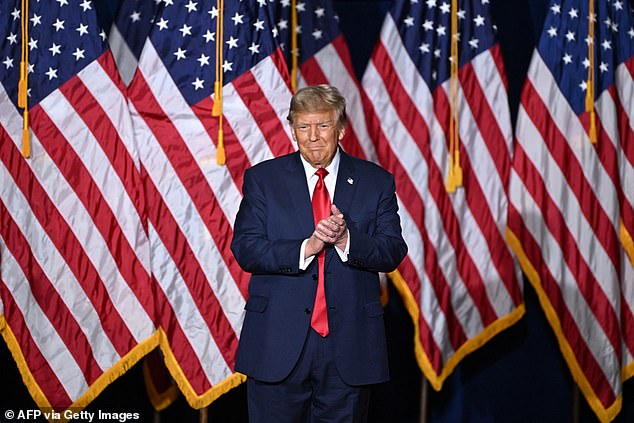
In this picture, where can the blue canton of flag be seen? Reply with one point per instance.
(185, 38)
(62, 41)
(425, 28)
(564, 46)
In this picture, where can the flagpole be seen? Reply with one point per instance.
(157, 417)
(576, 402)
(424, 400)
(203, 415)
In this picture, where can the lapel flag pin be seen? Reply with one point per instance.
(350, 180)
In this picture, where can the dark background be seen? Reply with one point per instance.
(518, 376)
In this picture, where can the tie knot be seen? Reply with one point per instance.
(321, 173)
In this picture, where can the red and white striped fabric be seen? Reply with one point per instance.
(191, 200)
(570, 199)
(459, 279)
(75, 263)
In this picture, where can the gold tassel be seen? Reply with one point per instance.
(294, 51)
(26, 135)
(454, 176)
(217, 108)
(221, 158)
(590, 87)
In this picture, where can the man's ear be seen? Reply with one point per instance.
(342, 132)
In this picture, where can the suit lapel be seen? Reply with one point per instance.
(344, 190)
(298, 193)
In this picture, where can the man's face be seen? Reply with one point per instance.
(317, 135)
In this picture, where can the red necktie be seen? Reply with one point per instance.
(321, 210)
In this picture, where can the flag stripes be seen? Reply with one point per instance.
(467, 288)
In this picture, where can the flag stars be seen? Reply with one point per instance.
(8, 62)
(79, 54)
(237, 19)
(135, 16)
(556, 8)
(232, 42)
(606, 44)
(259, 25)
(15, 14)
(408, 21)
(262, 3)
(209, 36)
(51, 73)
(185, 30)
(573, 13)
(32, 44)
(317, 34)
(162, 24)
(603, 67)
(445, 7)
(198, 84)
(618, 5)
(58, 25)
(301, 7)
(36, 20)
(586, 63)
(319, 12)
(62, 3)
(478, 20)
(461, 14)
(437, 53)
(424, 48)
(474, 43)
(282, 24)
(203, 60)
(191, 6)
(570, 36)
(631, 32)
(55, 49)
(213, 12)
(428, 25)
(431, 3)
(441, 30)
(227, 66)
(583, 85)
(254, 48)
(12, 38)
(86, 5)
(552, 32)
(567, 59)
(180, 54)
(82, 29)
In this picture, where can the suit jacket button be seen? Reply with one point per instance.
(307, 310)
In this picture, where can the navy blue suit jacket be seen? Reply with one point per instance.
(275, 216)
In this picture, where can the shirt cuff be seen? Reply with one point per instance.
(304, 262)
(343, 255)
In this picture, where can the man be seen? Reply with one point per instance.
(313, 337)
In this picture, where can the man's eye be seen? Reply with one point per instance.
(302, 127)
(325, 126)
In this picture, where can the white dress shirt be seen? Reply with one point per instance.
(331, 181)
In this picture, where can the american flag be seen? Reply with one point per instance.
(191, 200)
(74, 254)
(459, 279)
(323, 58)
(571, 200)
(130, 29)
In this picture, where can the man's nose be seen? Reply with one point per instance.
(313, 133)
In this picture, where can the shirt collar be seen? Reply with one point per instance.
(332, 168)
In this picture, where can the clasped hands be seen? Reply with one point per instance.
(331, 230)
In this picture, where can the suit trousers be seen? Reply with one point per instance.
(312, 393)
